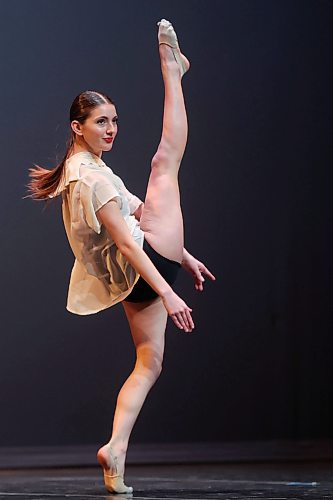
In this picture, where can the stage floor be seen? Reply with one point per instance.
(188, 482)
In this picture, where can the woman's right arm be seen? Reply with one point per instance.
(110, 216)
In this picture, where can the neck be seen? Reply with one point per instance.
(80, 146)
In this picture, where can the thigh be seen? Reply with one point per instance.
(147, 322)
(161, 219)
(142, 292)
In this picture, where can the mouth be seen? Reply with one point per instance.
(108, 139)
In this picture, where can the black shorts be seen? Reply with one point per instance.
(166, 267)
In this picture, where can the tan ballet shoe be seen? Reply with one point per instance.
(167, 35)
(114, 483)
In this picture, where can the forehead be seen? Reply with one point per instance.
(104, 110)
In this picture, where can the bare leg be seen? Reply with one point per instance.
(147, 322)
(162, 219)
(162, 223)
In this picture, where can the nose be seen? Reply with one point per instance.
(110, 129)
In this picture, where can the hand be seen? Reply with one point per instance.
(178, 310)
(197, 269)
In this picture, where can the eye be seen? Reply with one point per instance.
(115, 119)
(101, 121)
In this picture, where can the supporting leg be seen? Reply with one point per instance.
(147, 322)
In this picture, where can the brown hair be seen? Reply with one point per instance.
(44, 183)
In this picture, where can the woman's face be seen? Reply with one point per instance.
(99, 130)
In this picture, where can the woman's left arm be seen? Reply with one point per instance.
(197, 269)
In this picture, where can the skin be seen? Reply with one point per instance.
(89, 136)
(161, 220)
(100, 124)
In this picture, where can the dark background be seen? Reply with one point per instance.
(256, 190)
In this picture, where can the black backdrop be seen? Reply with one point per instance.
(256, 189)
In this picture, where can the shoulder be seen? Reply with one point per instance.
(89, 169)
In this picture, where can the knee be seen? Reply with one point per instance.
(154, 366)
(165, 157)
(159, 365)
(150, 361)
(158, 161)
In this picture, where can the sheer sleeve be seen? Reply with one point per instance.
(133, 201)
(94, 195)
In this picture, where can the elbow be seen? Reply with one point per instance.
(127, 248)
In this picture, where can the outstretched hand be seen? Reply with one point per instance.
(197, 269)
(179, 311)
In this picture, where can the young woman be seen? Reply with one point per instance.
(126, 250)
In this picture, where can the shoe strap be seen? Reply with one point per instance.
(111, 477)
(169, 45)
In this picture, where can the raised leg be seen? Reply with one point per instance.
(161, 219)
(147, 322)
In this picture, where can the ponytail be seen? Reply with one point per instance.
(43, 182)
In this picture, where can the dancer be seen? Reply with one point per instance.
(125, 250)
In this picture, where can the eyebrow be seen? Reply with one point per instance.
(106, 117)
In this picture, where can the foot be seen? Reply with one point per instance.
(167, 36)
(113, 470)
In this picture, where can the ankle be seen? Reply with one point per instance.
(118, 447)
(170, 69)
(166, 53)
(173, 62)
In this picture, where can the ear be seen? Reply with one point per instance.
(76, 127)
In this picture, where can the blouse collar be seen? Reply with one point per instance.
(72, 168)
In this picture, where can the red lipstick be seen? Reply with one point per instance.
(108, 139)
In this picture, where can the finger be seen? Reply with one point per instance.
(189, 319)
(186, 321)
(176, 322)
(208, 273)
(198, 275)
(199, 285)
(183, 321)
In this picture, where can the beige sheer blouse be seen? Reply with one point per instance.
(101, 276)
